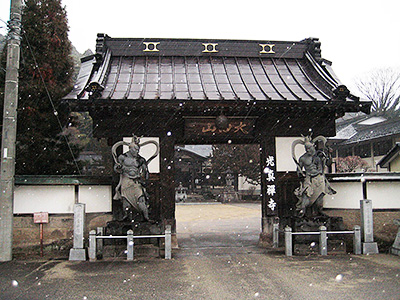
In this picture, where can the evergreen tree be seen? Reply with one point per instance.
(45, 76)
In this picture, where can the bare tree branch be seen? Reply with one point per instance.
(382, 87)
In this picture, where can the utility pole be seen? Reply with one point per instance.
(9, 132)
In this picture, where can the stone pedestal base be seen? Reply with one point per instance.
(395, 251)
(119, 251)
(396, 245)
(174, 241)
(265, 240)
(335, 247)
(147, 251)
(370, 248)
(77, 254)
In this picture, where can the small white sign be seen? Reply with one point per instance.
(41, 217)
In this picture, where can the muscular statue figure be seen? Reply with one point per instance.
(133, 176)
(314, 185)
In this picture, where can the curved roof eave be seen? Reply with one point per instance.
(220, 71)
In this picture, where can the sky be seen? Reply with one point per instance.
(357, 36)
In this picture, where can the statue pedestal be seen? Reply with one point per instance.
(309, 244)
(148, 247)
(139, 228)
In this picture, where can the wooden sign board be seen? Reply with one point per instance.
(205, 127)
(41, 217)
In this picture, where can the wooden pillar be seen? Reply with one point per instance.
(167, 178)
(167, 183)
(268, 189)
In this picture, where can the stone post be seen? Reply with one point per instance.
(168, 242)
(100, 242)
(130, 245)
(367, 223)
(92, 245)
(275, 236)
(357, 240)
(288, 241)
(323, 241)
(78, 252)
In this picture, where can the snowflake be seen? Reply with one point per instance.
(271, 190)
(271, 204)
(270, 161)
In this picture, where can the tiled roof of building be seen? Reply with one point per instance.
(370, 132)
(188, 69)
(388, 158)
(364, 128)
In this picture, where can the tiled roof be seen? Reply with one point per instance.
(344, 133)
(370, 132)
(364, 128)
(388, 158)
(170, 69)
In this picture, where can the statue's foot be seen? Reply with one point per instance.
(150, 220)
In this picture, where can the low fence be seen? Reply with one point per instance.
(323, 238)
(96, 242)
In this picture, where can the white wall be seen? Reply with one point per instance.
(384, 195)
(97, 198)
(52, 199)
(147, 151)
(348, 195)
(284, 161)
(60, 199)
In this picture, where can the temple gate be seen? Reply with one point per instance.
(190, 91)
